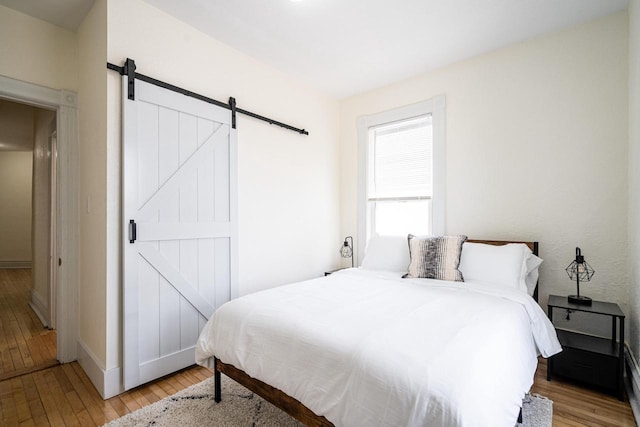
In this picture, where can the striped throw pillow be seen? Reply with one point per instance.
(435, 257)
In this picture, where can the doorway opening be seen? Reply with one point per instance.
(64, 103)
(28, 339)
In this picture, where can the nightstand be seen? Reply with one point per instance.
(586, 358)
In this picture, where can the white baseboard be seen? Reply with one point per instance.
(15, 264)
(39, 307)
(633, 383)
(107, 382)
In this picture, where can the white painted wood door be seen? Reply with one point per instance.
(179, 186)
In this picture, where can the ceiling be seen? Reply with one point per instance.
(344, 47)
(67, 14)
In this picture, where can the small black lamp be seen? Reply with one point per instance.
(346, 251)
(579, 270)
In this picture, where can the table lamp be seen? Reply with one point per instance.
(579, 270)
(346, 251)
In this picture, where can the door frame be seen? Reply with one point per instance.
(64, 102)
(53, 229)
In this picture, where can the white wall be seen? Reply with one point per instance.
(15, 199)
(634, 175)
(288, 183)
(36, 51)
(536, 149)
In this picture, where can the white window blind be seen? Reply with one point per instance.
(401, 160)
(400, 177)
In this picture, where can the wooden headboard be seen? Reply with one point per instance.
(532, 245)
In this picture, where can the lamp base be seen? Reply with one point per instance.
(579, 299)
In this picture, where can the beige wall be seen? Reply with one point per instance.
(634, 175)
(15, 199)
(16, 135)
(16, 126)
(36, 51)
(536, 141)
(92, 110)
(27, 129)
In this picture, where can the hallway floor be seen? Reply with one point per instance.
(25, 345)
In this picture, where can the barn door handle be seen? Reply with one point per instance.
(133, 231)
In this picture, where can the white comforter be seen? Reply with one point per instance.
(366, 348)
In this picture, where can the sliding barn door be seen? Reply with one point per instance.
(179, 226)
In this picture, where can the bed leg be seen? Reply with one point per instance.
(520, 417)
(217, 393)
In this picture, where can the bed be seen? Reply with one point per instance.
(366, 346)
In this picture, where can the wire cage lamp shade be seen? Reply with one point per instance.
(346, 251)
(579, 271)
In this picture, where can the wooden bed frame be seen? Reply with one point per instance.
(287, 403)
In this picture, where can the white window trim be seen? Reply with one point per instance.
(434, 106)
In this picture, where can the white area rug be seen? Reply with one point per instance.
(537, 411)
(194, 406)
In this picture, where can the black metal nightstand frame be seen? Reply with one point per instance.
(588, 358)
(326, 273)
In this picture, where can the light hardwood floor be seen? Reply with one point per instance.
(25, 345)
(64, 396)
(577, 406)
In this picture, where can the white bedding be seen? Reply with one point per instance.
(367, 348)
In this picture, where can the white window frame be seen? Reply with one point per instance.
(436, 108)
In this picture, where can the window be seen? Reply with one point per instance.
(401, 182)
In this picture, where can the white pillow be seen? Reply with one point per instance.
(389, 253)
(512, 265)
(532, 274)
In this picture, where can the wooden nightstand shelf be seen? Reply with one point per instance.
(590, 359)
